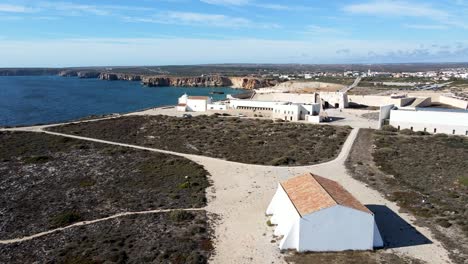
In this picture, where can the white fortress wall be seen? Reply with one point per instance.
(431, 121)
(453, 102)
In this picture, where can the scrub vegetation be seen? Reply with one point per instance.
(152, 238)
(236, 139)
(50, 181)
(351, 257)
(425, 174)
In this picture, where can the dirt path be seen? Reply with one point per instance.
(83, 223)
(240, 195)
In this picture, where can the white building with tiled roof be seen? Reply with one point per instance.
(313, 213)
(193, 103)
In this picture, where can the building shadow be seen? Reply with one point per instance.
(395, 231)
(334, 119)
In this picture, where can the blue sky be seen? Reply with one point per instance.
(36, 33)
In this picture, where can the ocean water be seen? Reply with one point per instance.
(27, 100)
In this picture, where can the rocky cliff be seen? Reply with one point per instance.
(88, 74)
(248, 83)
(119, 76)
(251, 83)
(208, 81)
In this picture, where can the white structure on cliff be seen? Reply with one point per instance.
(193, 103)
(431, 120)
(313, 213)
(296, 112)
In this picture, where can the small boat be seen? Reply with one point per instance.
(216, 92)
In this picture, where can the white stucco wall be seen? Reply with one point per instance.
(234, 104)
(376, 100)
(336, 228)
(183, 99)
(313, 119)
(283, 212)
(290, 97)
(423, 120)
(196, 105)
(289, 112)
(181, 108)
(221, 107)
(332, 229)
(333, 98)
(384, 114)
(453, 102)
(294, 112)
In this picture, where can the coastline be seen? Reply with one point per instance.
(24, 108)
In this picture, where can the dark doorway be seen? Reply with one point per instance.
(337, 105)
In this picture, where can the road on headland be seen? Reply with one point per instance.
(355, 83)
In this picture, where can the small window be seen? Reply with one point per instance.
(411, 128)
(291, 118)
(398, 127)
(435, 130)
(453, 132)
(425, 129)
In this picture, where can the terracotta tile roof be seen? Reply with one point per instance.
(182, 105)
(310, 193)
(198, 97)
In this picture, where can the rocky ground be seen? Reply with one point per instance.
(49, 181)
(426, 175)
(156, 238)
(242, 140)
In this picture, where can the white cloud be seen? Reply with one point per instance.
(226, 2)
(321, 30)
(70, 8)
(200, 19)
(425, 27)
(407, 9)
(16, 9)
(157, 51)
(271, 6)
(396, 8)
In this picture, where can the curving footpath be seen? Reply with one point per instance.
(240, 195)
(83, 223)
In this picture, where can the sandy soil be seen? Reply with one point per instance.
(240, 195)
(303, 87)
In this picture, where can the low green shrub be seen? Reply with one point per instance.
(181, 215)
(389, 128)
(37, 159)
(407, 132)
(64, 219)
(184, 185)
